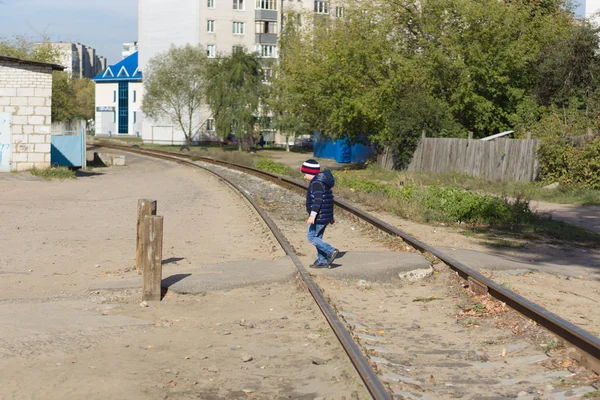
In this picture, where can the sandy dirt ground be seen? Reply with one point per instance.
(62, 341)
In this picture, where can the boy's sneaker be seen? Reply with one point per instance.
(318, 264)
(332, 257)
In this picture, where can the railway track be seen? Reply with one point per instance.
(588, 345)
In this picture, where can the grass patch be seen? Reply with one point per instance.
(268, 165)
(119, 139)
(53, 173)
(592, 395)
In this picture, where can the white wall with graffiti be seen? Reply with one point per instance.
(25, 114)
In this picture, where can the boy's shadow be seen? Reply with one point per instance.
(341, 254)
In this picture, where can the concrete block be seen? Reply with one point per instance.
(8, 92)
(22, 166)
(19, 138)
(43, 92)
(42, 111)
(36, 120)
(4, 101)
(19, 120)
(118, 161)
(19, 157)
(37, 101)
(27, 129)
(17, 130)
(24, 148)
(35, 157)
(47, 157)
(18, 101)
(25, 92)
(42, 129)
(37, 139)
(23, 110)
(42, 148)
(42, 165)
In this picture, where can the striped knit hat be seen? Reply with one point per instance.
(310, 167)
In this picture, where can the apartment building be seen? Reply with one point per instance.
(80, 60)
(128, 49)
(219, 26)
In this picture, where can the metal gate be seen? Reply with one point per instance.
(5, 142)
(68, 149)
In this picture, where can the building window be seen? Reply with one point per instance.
(210, 26)
(114, 96)
(238, 28)
(134, 96)
(123, 107)
(236, 48)
(210, 3)
(321, 7)
(266, 4)
(339, 12)
(267, 51)
(238, 5)
(134, 117)
(210, 124)
(266, 27)
(211, 51)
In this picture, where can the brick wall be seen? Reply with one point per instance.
(26, 93)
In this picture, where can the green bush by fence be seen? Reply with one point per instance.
(566, 162)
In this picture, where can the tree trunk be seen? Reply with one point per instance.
(287, 143)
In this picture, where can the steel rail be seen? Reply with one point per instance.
(566, 330)
(362, 366)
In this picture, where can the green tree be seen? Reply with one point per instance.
(175, 86)
(72, 98)
(63, 97)
(26, 49)
(234, 95)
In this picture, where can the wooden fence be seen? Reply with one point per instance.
(497, 160)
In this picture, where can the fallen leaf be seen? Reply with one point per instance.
(381, 332)
(172, 383)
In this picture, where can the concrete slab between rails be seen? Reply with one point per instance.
(511, 265)
(377, 266)
(210, 277)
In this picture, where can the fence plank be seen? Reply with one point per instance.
(497, 160)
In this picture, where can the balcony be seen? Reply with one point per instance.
(265, 38)
(269, 15)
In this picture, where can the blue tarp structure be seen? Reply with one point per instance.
(341, 151)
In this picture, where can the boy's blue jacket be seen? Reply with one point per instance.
(319, 197)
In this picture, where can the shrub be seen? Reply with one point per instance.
(565, 162)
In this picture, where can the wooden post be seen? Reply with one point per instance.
(470, 137)
(152, 257)
(145, 207)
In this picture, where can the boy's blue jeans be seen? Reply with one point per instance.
(315, 237)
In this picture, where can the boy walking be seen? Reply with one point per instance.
(319, 205)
